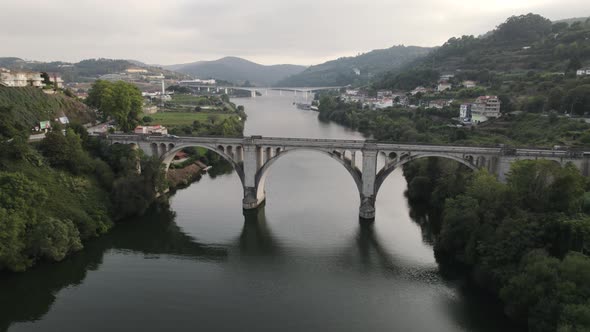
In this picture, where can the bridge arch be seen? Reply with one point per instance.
(220, 150)
(390, 167)
(263, 171)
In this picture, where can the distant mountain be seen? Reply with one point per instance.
(356, 70)
(85, 70)
(238, 70)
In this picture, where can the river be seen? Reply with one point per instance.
(301, 263)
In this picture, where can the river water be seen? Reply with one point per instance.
(301, 263)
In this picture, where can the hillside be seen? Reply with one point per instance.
(355, 70)
(85, 70)
(238, 70)
(527, 44)
(31, 105)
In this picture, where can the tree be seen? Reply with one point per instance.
(121, 101)
(66, 152)
(532, 291)
(527, 27)
(577, 100)
(555, 99)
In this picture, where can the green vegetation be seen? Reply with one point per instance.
(67, 189)
(30, 105)
(527, 60)
(120, 101)
(192, 115)
(525, 241)
(437, 126)
(178, 119)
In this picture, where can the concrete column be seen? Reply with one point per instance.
(252, 199)
(259, 160)
(253, 94)
(267, 154)
(146, 147)
(240, 153)
(367, 209)
(503, 167)
(162, 149)
(138, 160)
(225, 90)
(353, 159)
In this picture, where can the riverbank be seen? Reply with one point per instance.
(182, 177)
(509, 238)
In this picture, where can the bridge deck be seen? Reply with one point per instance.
(343, 144)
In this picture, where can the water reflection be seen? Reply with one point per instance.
(256, 238)
(29, 296)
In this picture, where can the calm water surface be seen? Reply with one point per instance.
(302, 263)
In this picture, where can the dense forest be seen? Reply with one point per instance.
(526, 240)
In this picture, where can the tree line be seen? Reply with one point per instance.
(526, 240)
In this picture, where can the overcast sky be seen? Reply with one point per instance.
(266, 31)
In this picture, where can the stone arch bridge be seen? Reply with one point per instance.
(252, 157)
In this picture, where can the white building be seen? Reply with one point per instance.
(57, 81)
(136, 70)
(469, 84)
(197, 82)
(157, 129)
(20, 78)
(583, 71)
(419, 89)
(465, 112)
(488, 106)
(383, 103)
(442, 86)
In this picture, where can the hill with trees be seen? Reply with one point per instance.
(356, 70)
(31, 105)
(238, 70)
(527, 60)
(85, 70)
(68, 188)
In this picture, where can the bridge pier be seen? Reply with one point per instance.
(369, 174)
(252, 197)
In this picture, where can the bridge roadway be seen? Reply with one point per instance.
(253, 90)
(253, 156)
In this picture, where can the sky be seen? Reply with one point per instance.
(302, 32)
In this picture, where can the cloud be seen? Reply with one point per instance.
(267, 31)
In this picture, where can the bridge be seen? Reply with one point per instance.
(262, 90)
(253, 156)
